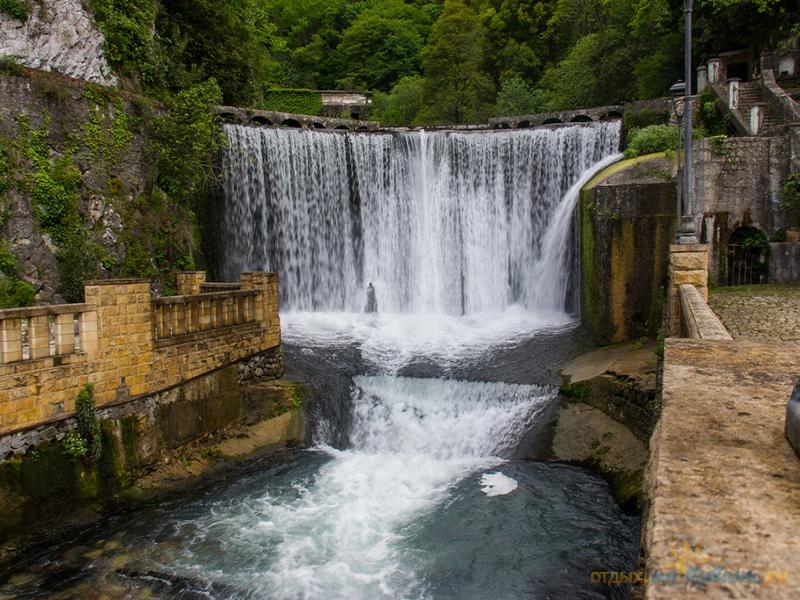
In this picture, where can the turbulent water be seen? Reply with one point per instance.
(415, 487)
(440, 222)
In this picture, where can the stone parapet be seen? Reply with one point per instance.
(688, 264)
(124, 339)
(698, 321)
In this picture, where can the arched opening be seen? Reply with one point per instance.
(342, 128)
(228, 117)
(581, 119)
(747, 254)
(523, 124)
(552, 122)
(318, 125)
(291, 123)
(612, 115)
(258, 120)
(503, 125)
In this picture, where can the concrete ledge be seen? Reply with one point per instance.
(723, 483)
(698, 321)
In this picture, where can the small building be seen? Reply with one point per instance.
(339, 104)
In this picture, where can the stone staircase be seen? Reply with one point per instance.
(750, 93)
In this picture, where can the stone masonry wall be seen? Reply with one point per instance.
(737, 183)
(36, 391)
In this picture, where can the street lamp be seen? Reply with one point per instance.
(677, 90)
(686, 231)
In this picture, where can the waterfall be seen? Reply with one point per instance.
(439, 222)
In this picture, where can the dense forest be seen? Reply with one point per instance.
(431, 61)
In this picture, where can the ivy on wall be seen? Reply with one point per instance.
(296, 101)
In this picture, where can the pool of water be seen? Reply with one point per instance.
(415, 486)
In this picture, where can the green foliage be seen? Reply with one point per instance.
(790, 193)
(78, 262)
(15, 8)
(514, 98)
(88, 425)
(655, 138)
(457, 89)
(15, 293)
(719, 145)
(778, 236)
(75, 446)
(576, 391)
(402, 105)
(127, 26)
(755, 241)
(9, 66)
(642, 118)
(296, 101)
(107, 133)
(709, 116)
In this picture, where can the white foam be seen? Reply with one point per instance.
(497, 484)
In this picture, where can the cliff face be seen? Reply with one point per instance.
(58, 35)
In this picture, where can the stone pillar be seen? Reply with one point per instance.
(11, 340)
(757, 116)
(125, 338)
(733, 93)
(39, 336)
(688, 263)
(188, 282)
(267, 306)
(714, 71)
(65, 333)
(702, 78)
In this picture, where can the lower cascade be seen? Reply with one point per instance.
(439, 222)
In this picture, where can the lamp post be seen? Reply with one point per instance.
(677, 90)
(686, 232)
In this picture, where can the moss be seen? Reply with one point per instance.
(575, 391)
(296, 101)
(590, 293)
(15, 8)
(107, 133)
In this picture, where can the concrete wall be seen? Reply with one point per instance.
(153, 344)
(627, 219)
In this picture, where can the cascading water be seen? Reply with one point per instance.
(442, 222)
(466, 239)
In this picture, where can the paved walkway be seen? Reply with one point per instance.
(763, 313)
(723, 482)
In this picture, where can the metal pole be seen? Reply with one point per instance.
(687, 109)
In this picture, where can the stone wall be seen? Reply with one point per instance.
(107, 191)
(58, 35)
(627, 219)
(134, 353)
(737, 182)
(783, 262)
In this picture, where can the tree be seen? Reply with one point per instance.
(457, 89)
(514, 97)
(402, 105)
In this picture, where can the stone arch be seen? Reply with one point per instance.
(503, 125)
(523, 124)
(291, 123)
(342, 128)
(581, 119)
(746, 256)
(260, 120)
(363, 128)
(612, 115)
(228, 117)
(318, 125)
(552, 121)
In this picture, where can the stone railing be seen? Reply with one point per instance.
(698, 321)
(177, 316)
(688, 263)
(123, 338)
(47, 331)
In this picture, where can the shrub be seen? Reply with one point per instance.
(297, 101)
(77, 262)
(15, 293)
(790, 193)
(88, 424)
(15, 8)
(9, 66)
(709, 117)
(647, 140)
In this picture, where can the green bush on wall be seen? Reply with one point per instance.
(296, 101)
(15, 8)
(647, 140)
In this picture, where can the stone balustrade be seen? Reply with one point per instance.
(122, 334)
(47, 331)
(688, 264)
